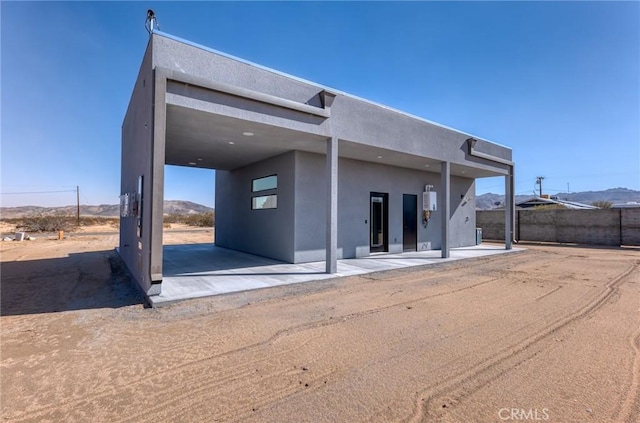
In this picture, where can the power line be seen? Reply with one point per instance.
(586, 175)
(39, 186)
(35, 192)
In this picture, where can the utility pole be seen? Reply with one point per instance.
(539, 182)
(78, 202)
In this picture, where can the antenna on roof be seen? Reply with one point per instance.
(150, 23)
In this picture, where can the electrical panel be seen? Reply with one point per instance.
(124, 205)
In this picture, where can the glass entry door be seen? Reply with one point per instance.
(379, 223)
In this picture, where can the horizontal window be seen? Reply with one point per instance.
(264, 202)
(263, 184)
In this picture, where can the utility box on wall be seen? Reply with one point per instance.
(429, 201)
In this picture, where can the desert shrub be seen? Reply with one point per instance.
(99, 220)
(203, 220)
(173, 218)
(46, 223)
(54, 223)
(11, 221)
(548, 207)
(602, 204)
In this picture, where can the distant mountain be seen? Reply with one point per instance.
(185, 207)
(614, 195)
(483, 202)
(103, 210)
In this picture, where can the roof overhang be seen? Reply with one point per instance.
(218, 126)
(195, 138)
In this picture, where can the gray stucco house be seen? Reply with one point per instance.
(303, 172)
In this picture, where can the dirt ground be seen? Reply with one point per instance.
(549, 334)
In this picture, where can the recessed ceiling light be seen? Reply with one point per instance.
(464, 171)
(379, 157)
(247, 134)
(427, 165)
(199, 159)
(231, 142)
(192, 163)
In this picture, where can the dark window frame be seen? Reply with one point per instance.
(253, 198)
(264, 189)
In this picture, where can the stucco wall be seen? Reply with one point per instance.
(268, 232)
(462, 226)
(351, 119)
(196, 61)
(356, 180)
(295, 231)
(367, 123)
(137, 138)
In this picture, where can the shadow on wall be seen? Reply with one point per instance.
(81, 281)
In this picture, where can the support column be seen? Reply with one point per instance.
(153, 189)
(509, 208)
(332, 206)
(443, 207)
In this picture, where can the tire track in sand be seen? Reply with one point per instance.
(204, 389)
(206, 383)
(465, 383)
(193, 366)
(629, 411)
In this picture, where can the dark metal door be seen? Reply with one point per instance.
(409, 222)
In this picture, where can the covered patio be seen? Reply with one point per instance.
(349, 178)
(202, 270)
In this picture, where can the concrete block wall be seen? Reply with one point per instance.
(630, 222)
(596, 227)
(611, 227)
(492, 223)
(538, 226)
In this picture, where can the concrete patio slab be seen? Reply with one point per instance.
(201, 270)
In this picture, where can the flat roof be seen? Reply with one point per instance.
(321, 86)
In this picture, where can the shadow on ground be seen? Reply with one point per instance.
(97, 279)
(185, 259)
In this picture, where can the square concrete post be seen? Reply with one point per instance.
(509, 208)
(443, 207)
(156, 194)
(332, 206)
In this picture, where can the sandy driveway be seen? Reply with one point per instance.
(551, 334)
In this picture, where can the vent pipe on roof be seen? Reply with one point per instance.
(150, 23)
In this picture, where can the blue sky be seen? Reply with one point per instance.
(557, 82)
